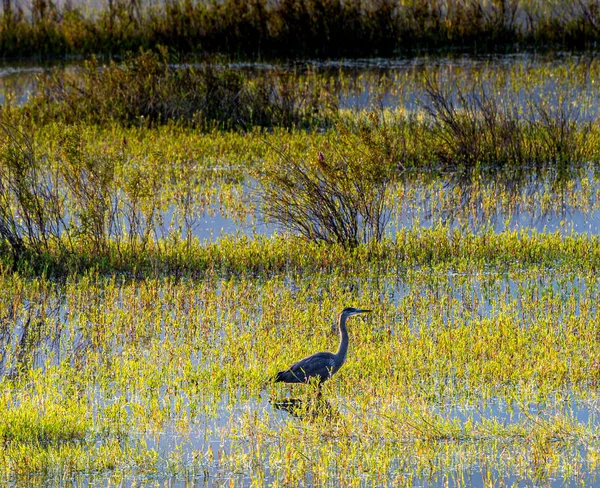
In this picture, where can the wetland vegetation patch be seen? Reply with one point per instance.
(290, 29)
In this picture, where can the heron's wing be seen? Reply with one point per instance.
(319, 364)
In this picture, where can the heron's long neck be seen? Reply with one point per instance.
(340, 356)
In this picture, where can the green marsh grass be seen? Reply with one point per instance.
(148, 89)
(210, 94)
(165, 166)
(460, 367)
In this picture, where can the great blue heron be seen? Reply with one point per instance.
(322, 365)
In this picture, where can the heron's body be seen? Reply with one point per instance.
(322, 365)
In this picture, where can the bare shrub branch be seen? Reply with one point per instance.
(341, 194)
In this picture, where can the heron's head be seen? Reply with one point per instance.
(350, 311)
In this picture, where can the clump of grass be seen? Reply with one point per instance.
(40, 198)
(35, 423)
(475, 130)
(147, 89)
(27, 197)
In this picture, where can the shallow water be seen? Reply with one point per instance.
(509, 412)
(197, 457)
(532, 207)
(55, 327)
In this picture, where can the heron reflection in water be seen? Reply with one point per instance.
(310, 408)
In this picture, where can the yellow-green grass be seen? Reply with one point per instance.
(112, 366)
(182, 173)
(154, 88)
(263, 256)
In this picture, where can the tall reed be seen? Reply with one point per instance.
(292, 28)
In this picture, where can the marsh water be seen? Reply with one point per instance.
(199, 453)
(203, 451)
(530, 207)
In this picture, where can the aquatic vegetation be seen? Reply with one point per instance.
(158, 177)
(293, 28)
(475, 129)
(118, 195)
(343, 194)
(146, 89)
